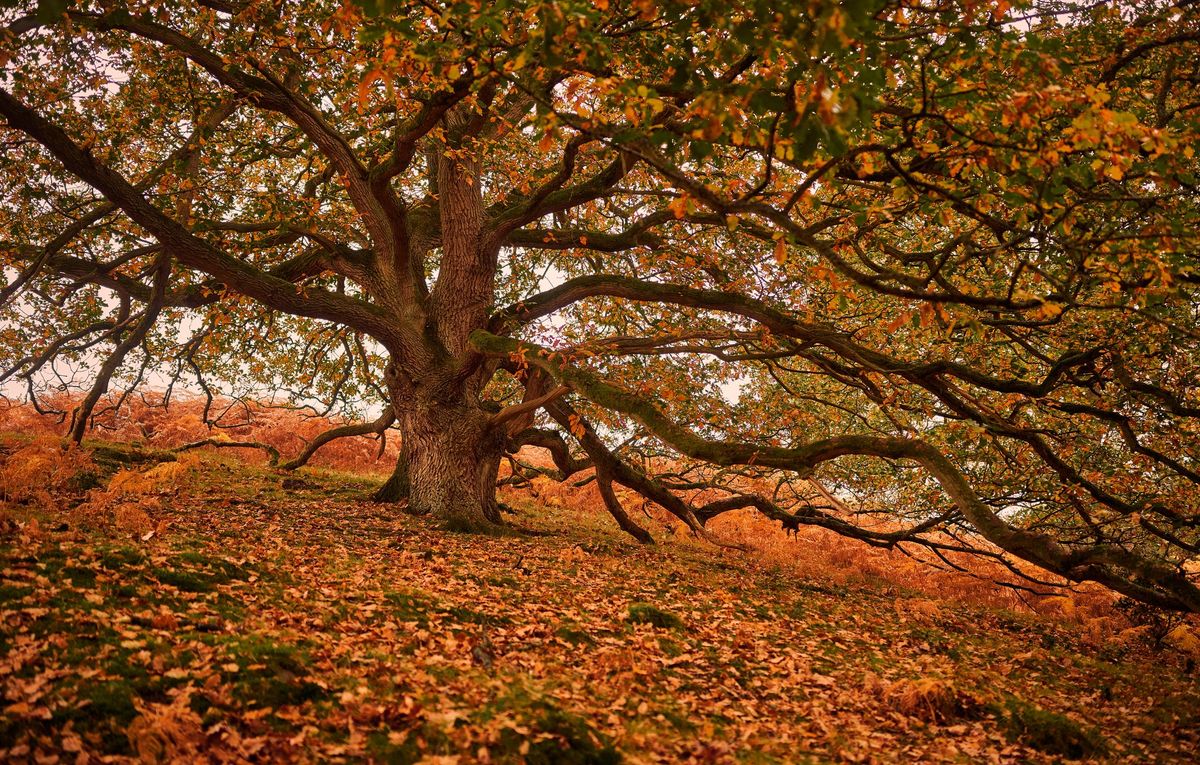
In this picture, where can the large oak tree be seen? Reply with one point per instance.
(923, 273)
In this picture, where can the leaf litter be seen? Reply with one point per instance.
(261, 624)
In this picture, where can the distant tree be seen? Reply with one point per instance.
(940, 256)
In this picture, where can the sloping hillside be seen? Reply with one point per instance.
(205, 608)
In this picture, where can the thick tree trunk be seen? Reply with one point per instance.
(453, 457)
(450, 443)
(396, 487)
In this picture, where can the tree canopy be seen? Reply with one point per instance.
(922, 273)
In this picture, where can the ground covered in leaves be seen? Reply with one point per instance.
(256, 618)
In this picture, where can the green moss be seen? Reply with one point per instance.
(457, 525)
(228, 608)
(571, 740)
(1048, 731)
(220, 570)
(187, 581)
(150, 686)
(761, 612)
(670, 647)
(85, 480)
(121, 558)
(409, 746)
(470, 616)
(573, 635)
(644, 613)
(105, 709)
(576, 742)
(112, 700)
(409, 606)
(48, 559)
(678, 720)
(79, 576)
(114, 456)
(271, 674)
(937, 641)
(196, 572)
(12, 593)
(796, 610)
(65, 599)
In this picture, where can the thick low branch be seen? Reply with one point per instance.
(344, 431)
(1129, 573)
(773, 319)
(553, 442)
(271, 451)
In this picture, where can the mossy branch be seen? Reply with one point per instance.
(1120, 569)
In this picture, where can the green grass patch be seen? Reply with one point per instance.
(465, 615)
(1048, 731)
(13, 593)
(270, 673)
(409, 606)
(184, 580)
(408, 747)
(196, 572)
(574, 635)
(567, 738)
(644, 613)
(121, 558)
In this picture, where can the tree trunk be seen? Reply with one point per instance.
(453, 457)
(396, 487)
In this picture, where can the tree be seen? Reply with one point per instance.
(922, 273)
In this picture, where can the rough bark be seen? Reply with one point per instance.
(395, 489)
(453, 458)
(449, 445)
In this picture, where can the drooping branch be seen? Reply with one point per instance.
(604, 480)
(82, 414)
(379, 425)
(1119, 568)
(218, 443)
(617, 469)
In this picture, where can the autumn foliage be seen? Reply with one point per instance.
(37, 469)
(148, 423)
(337, 337)
(252, 622)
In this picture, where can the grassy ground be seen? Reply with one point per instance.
(253, 622)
